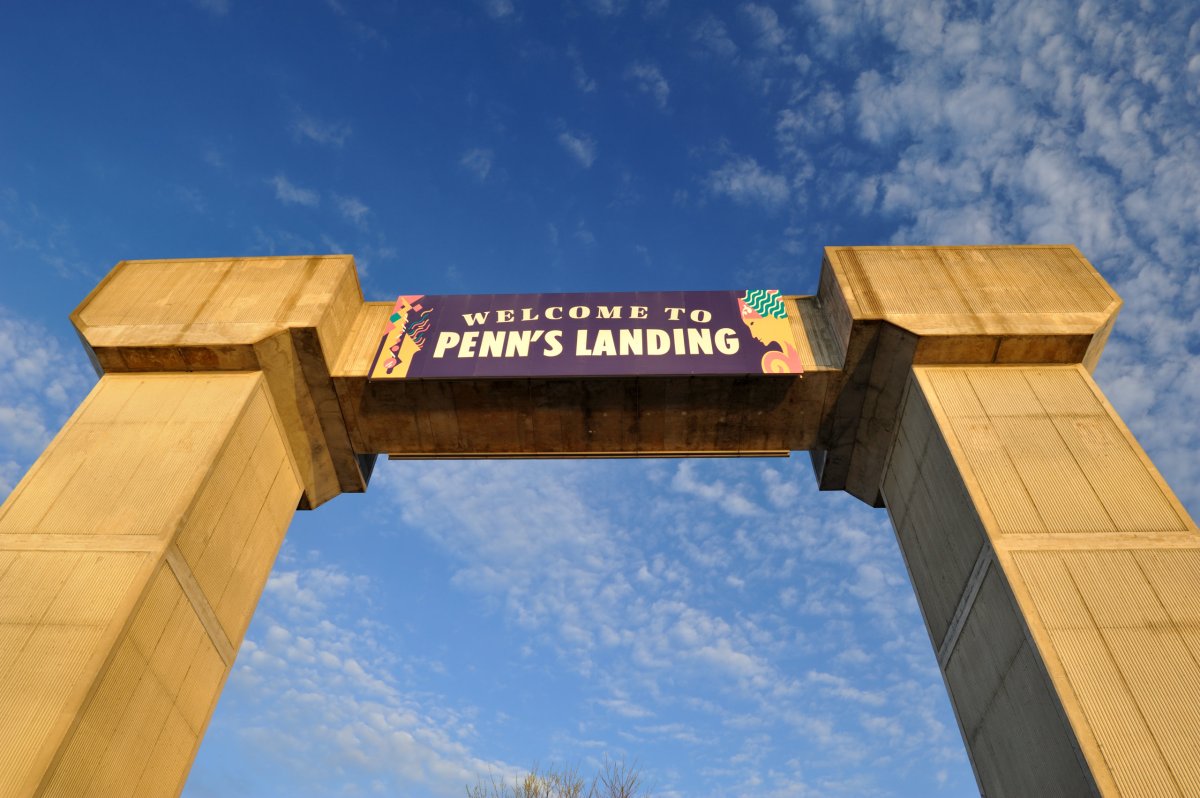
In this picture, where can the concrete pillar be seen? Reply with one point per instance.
(1059, 578)
(134, 551)
(131, 558)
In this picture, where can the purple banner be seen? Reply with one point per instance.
(567, 335)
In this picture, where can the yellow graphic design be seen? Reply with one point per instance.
(764, 314)
(404, 337)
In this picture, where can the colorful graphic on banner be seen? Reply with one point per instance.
(599, 335)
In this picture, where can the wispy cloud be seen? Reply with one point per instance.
(579, 146)
(711, 34)
(213, 157)
(822, 113)
(352, 209)
(312, 662)
(310, 128)
(675, 731)
(732, 499)
(276, 241)
(41, 382)
(191, 197)
(356, 26)
(1041, 124)
(584, 235)
(719, 614)
(31, 233)
(477, 161)
(218, 8)
(744, 181)
(606, 8)
(291, 194)
(770, 33)
(584, 82)
(624, 708)
(655, 8)
(649, 79)
(498, 9)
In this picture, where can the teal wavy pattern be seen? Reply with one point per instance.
(766, 303)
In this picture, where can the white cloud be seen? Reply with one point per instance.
(192, 198)
(40, 385)
(584, 234)
(271, 242)
(675, 731)
(29, 231)
(624, 708)
(360, 29)
(317, 690)
(771, 34)
(838, 687)
(628, 594)
(580, 146)
(649, 80)
(477, 161)
(352, 208)
(291, 194)
(306, 594)
(584, 82)
(811, 115)
(655, 8)
(606, 8)
(745, 182)
(333, 134)
(731, 499)
(712, 35)
(498, 9)
(218, 8)
(214, 158)
(1046, 122)
(23, 428)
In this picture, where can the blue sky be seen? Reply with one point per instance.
(721, 622)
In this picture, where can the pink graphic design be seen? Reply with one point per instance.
(763, 312)
(407, 332)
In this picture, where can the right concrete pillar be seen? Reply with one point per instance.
(1059, 578)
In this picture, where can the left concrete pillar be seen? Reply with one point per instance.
(131, 558)
(134, 551)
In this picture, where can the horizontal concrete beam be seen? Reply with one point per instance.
(878, 311)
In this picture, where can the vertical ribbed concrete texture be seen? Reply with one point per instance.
(131, 557)
(1059, 578)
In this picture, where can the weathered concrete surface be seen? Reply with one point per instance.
(1056, 572)
(1058, 577)
(132, 556)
